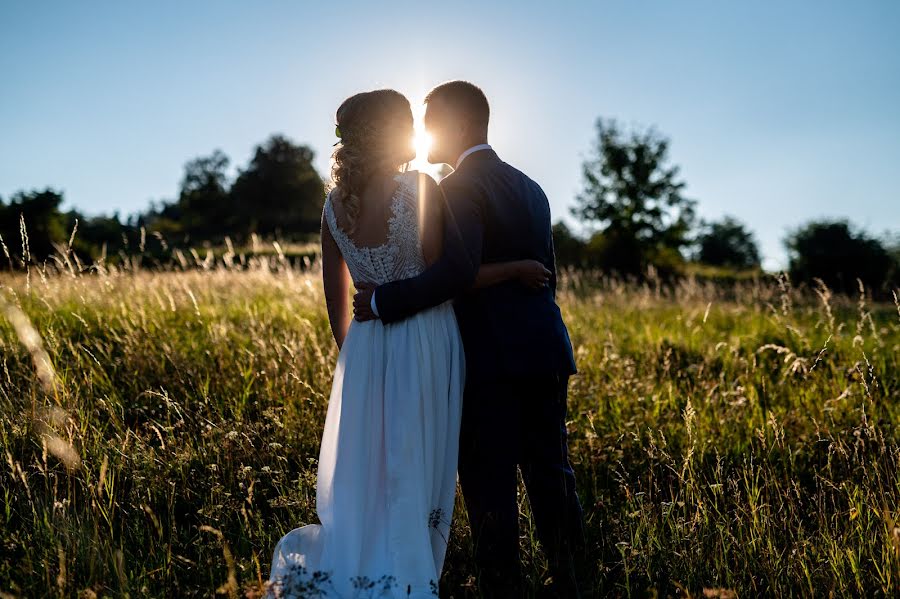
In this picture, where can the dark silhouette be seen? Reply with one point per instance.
(727, 243)
(570, 249)
(205, 209)
(45, 226)
(278, 194)
(838, 254)
(280, 191)
(99, 237)
(630, 193)
(518, 362)
(635, 197)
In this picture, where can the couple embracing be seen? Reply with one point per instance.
(456, 361)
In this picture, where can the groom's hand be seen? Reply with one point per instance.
(362, 302)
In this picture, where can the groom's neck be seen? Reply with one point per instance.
(475, 141)
(470, 144)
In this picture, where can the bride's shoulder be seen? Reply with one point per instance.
(418, 181)
(416, 177)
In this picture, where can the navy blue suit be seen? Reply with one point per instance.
(518, 360)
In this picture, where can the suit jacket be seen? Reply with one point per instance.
(492, 213)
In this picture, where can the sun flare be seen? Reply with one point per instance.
(421, 143)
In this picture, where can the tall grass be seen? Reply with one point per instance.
(159, 432)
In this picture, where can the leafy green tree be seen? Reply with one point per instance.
(728, 243)
(635, 197)
(838, 254)
(569, 249)
(99, 235)
(893, 248)
(205, 208)
(280, 191)
(44, 223)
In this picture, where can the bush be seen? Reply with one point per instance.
(838, 254)
(727, 243)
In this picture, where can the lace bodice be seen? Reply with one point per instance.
(400, 256)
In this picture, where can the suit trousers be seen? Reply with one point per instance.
(509, 425)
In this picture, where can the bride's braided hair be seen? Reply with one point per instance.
(376, 130)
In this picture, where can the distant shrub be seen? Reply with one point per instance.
(839, 254)
(727, 243)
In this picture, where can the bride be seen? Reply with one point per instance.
(387, 462)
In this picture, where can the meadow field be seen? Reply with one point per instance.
(159, 432)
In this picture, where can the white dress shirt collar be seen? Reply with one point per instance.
(471, 150)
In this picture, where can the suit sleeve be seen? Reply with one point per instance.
(454, 271)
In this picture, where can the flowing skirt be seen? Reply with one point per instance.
(387, 466)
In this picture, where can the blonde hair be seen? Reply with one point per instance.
(376, 129)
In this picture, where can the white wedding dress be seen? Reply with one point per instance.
(387, 463)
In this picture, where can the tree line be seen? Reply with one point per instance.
(632, 203)
(278, 195)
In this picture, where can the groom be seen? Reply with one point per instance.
(518, 353)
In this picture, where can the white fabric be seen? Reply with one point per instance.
(400, 256)
(471, 150)
(387, 463)
(459, 160)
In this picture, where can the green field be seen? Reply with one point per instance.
(725, 440)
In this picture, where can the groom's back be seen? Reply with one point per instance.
(508, 329)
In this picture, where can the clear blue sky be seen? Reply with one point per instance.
(778, 112)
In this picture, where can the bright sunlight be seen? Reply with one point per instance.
(422, 143)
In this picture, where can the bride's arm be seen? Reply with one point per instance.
(336, 280)
(529, 272)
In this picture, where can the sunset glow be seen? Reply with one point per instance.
(421, 143)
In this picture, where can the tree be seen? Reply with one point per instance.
(44, 223)
(568, 248)
(727, 243)
(632, 193)
(279, 191)
(205, 208)
(893, 247)
(98, 234)
(839, 255)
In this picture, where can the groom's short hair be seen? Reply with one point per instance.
(465, 97)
